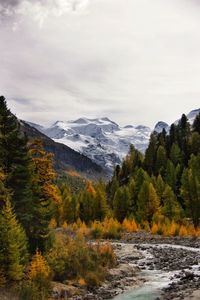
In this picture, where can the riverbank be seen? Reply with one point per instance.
(168, 265)
(176, 257)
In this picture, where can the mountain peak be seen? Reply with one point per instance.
(192, 115)
(160, 126)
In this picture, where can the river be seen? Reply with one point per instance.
(156, 280)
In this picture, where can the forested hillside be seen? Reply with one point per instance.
(165, 183)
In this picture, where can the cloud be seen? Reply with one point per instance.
(136, 60)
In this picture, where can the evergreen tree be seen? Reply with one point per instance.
(4, 194)
(101, 201)
(170, 177)
(195, 143)
(13, 244)
(46, 196)
(150, 155)
(148, 202)
(133, 197)
(184, 137)
(16, 163)
(171, 208)
(196, 124)
(161, 160)
(70, 205)
(190, 189)
(160, 187)
(88, 204)
(121, 203)
(175, 154)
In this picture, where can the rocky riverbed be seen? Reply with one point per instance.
(152, 267)
(144, 260)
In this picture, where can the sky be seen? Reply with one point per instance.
(134, 61)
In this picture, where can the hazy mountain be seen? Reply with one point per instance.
(65, 158)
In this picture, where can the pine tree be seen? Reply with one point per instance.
(150, 155)
(160, 187)
(13, 244)
(133, 197)
(175, 154)
(16, 163)
(46, 195)
(161, 160)
(184, 138)
(190, 189)
(101, 202)
(88, 203)
(196, 124)
(121, 203)
(148, 202)
(170, 177)
(195, 143)
(70, 205)
(171, 208)
(4, 194)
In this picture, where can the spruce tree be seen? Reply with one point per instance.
(13, 242)
(150, 155)
(121, 203)
(175, 154)
(190, 189)
(148, 202)
(70, 205)
(171, 208)
(88, 204)
(16, 163)
(46, 195)
(101, 201)
(196, 124)
(161, 160)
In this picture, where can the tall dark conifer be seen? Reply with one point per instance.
(16, 163)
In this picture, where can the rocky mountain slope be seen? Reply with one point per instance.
(102, 140)
(65, 158)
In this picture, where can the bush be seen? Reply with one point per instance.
(106, 254)
(112, 229)
(92, 279)
(30, 291)
(96, 230)
(130, 225)
(74, 259)
(38, 284)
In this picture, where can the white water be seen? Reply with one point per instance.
(156, 280)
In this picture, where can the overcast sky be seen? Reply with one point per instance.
(134, 61)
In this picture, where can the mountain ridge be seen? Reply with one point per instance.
(65, 158)
(103, 140)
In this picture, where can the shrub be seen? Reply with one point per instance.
(106, 254)
(96, 230)
(154, 228)
(130, 225)
(183, 231)
(111, 229)
(74, 259)
(38, 284)
(92, 279)
(173, 229)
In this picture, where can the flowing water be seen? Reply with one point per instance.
(155, 280)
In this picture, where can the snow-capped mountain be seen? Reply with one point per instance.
(162, 125)
(101, 139)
